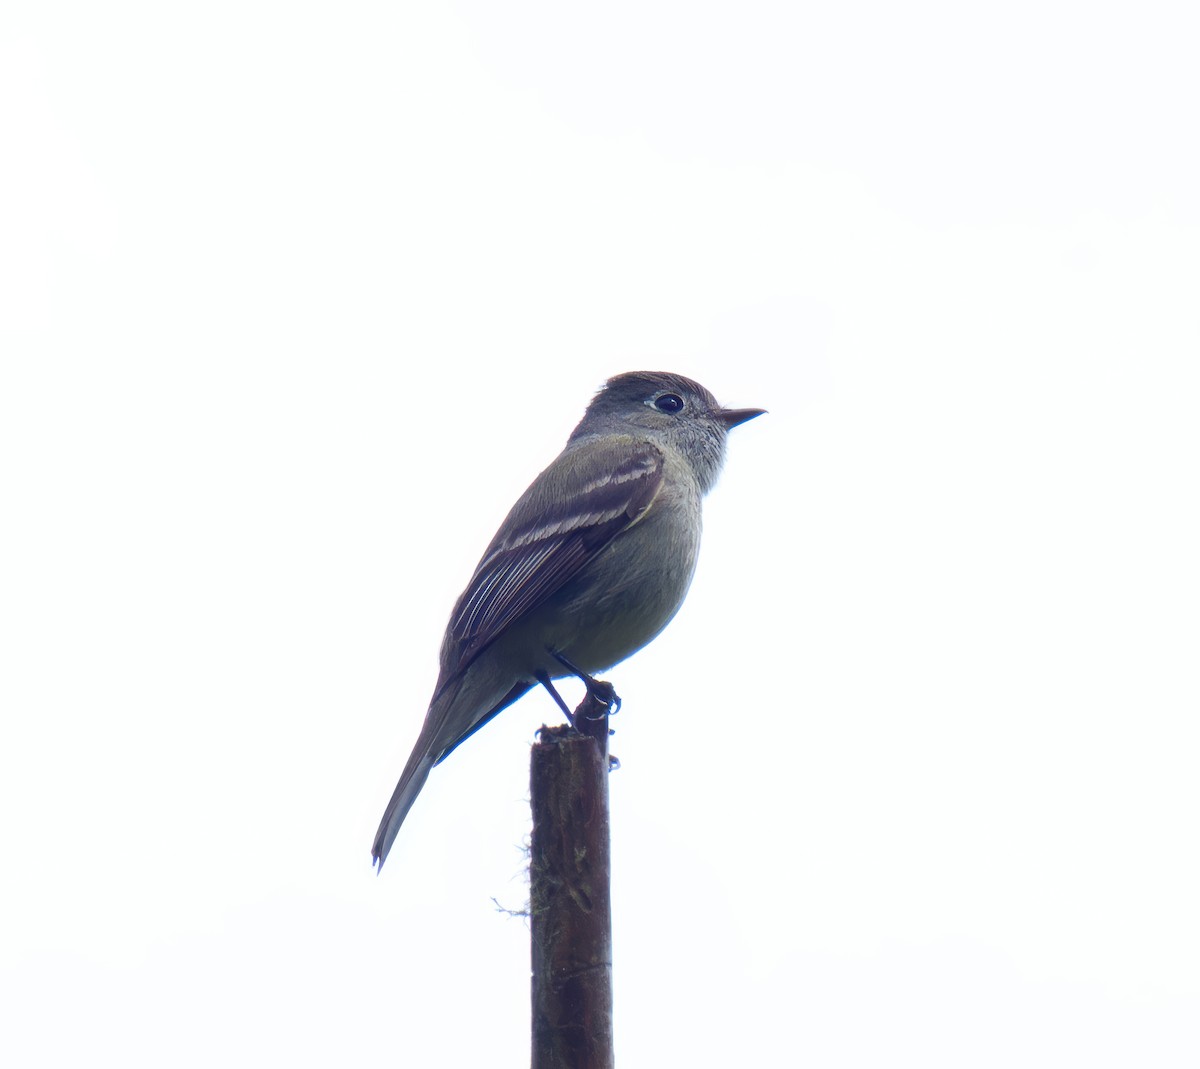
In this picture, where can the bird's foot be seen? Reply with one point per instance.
(598, 690)
(605, 696)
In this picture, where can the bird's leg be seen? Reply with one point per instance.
(544, 678)
(598, 690)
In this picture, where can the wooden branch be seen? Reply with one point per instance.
(570, 905)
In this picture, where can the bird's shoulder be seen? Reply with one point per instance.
(593, 482)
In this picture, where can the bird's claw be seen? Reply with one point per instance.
(597, 689)
(605, 694)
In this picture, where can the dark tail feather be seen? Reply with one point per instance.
(518, 690)
(411, 781)
(431, 748)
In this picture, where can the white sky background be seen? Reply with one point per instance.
(296, 299)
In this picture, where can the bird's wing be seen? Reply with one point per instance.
(568, 515)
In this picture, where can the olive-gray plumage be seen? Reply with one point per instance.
(591, 563)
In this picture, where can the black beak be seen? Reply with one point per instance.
(731, 417)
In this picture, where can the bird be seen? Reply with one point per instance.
(591, 563)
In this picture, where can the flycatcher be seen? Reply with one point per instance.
(592, 562)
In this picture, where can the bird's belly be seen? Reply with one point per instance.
(624, 598)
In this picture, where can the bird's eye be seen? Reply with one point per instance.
(669, 402)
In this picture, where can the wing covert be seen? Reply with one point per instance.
(570, 512)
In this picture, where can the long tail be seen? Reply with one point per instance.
(412, 779)
(438, 729)
(444, 728)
